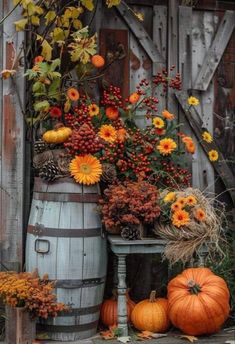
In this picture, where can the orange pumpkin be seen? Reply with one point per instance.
(97, 61)
(150, 315)
(58, 135)
(198, 301)
(108, 312)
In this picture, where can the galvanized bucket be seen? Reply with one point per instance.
(64, 239)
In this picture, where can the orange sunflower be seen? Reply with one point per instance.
(166, 146)
(167, 115)
(180, 218)
(182, 201)
(86, 169)
(176, 206)
(200, 214)
(112, 113)
(108, 133)
(93, 110)
(191, 200)
(73, 94)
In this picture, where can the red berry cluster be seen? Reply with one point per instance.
(83, 141)
(113, 152)
(78, 118)
(176, 175)
(112, 97)
(166, 81)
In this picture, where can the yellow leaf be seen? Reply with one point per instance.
(77, 24)
(46, 48)
(72, 12)
(88, 4)
(111, 3)
(26, 3)
(20, 24)
(35, 20)
(65, 21)
(58, 34)
(50, 16)
(67, 106)
(39, 10)
(189, 338)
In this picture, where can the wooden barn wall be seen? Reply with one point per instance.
(11, 144)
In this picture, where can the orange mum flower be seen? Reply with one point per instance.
(182, 201)
(167, 115)
(166, 146)
(38, 59)
(108, 133)
(86, 169)
(112, 113)
(190, 147)
(134, 97)
(121, 135)
(73, 94)
(93, 110)
(176, 206)
(191, 200)
(199, 214)
(180, 218)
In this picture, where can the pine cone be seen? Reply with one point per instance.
(39, 147)
(49, 171)
(109, 173)
(130, 233)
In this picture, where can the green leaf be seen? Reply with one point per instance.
(54, 88)
(38, 87)
(42, 106)
(20, 24)
(53, 75)
(55, 63)
(50, 16)
(88, 4)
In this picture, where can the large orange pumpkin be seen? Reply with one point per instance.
(198, 301)
(151, 315)
(108, 312)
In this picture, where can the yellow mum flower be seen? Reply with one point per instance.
(108, 133)
(180, 218)
(170, 197)
(213, 155)
(207, 137)
(166, 146)
(93, 110)
(193, 101)
(158, 122)
(86, 169)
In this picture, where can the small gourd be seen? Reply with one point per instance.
(57, 135)
(151, 315)
(108, 312)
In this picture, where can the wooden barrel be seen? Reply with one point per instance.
(64, 239)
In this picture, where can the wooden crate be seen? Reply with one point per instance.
(20, 328)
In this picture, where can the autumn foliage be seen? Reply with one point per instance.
(29, 291)
(130, 203)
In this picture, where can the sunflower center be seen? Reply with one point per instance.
(166, 146)
(180, 217)
(86, 169)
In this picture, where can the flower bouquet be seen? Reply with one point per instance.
(188, 220)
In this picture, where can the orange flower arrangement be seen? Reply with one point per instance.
(86, 169)
(73, 94)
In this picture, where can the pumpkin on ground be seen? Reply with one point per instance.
(151, 314)
(58, 135)
(198, 301)
(108, 312)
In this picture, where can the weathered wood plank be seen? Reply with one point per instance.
(138, 30)
(221, 167)
(216, 51)
(12, 144)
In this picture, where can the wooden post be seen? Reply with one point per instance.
(11, 142)
(20, 328)
(122, 308)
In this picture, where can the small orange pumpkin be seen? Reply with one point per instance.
(58, 135)
(151, 315)
(198, 301)
(108, 312)
(97, 61)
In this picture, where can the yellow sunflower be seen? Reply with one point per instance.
(93, 110)
(158, 122)
(108, 133)
(213, 155)
(180, 218)
(207, 137)
(166, 146)
(86, 169)
(170, 197)
(193, 101)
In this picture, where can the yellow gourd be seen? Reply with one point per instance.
(58, 135)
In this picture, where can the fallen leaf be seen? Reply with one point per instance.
(124, 339)
(145, 334)
(107, 335)
(189, 338)
(7, 73)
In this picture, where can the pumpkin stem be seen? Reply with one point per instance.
(194, 288)
(152, 297)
